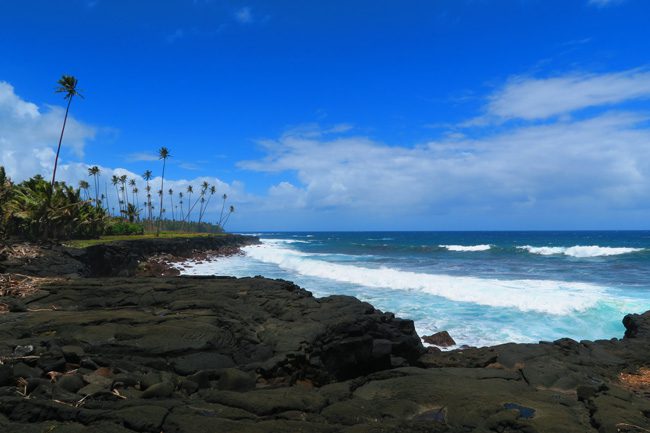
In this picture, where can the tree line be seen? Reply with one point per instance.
(39, 209)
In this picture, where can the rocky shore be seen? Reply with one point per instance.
(95, 346)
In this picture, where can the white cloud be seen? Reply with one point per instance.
(244, 15)
(29, 135)
(577, 166)
(542, 98)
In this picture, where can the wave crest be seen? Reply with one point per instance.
(580, 251)
(544, 296)
(463, 248)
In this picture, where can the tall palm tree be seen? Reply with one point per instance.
(147, 177)
(115, 180)
(223, 205)
(132, 185)
(137, 200)
(231, 210)
(94, 171)
(180, 199)
(68, 85)
(163, 153)
(190, 190)
(149, 204)
(171, 200)
(213, 190)
(125, 194)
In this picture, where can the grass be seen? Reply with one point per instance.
(83, 243)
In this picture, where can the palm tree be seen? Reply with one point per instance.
(232, 209)
(163, 153)
(83, 185)
(68, 85)
(125, 195)
(147, 177)
(137, 200)
(148, 188)
(190, 190)
(213, 190)
(223, 205)
(94, 171)
(132, 185)
(171, 200)
(180, 198)
(115, 180)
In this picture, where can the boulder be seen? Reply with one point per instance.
(441, 339)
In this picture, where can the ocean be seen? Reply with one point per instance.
(484, 288)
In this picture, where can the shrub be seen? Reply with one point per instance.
(121, 227)
(35, 211)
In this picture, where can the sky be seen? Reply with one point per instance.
(345, 115)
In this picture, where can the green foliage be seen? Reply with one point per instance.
(6, 189)
(35, 211)
(119, 227)
(191, 226)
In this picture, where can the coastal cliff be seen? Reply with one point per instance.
(220, 354)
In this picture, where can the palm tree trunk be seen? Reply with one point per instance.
(223, 205)
(106, 190)
(162, 189)
(58, 150)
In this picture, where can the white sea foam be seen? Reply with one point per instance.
(580, 250)
(545, 296)
(463, 248)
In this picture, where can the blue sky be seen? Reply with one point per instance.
(354, 115)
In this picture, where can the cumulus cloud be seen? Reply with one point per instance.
(605, 159)
(595, 165)
(531, 98)
(29, 135)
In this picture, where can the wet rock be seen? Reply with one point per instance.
(637, 325)
(441, 339)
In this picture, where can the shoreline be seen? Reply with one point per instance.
(98, 345)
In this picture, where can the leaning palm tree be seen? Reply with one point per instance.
(223, 205)
(213, 190)
(231, 210)
(163, 153)
(68, 85)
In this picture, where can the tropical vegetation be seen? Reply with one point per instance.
(37, 209)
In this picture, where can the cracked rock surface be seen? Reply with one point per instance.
(215, 354)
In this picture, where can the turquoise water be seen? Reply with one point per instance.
(484, 288)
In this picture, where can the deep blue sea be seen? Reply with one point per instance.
(485, 288)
